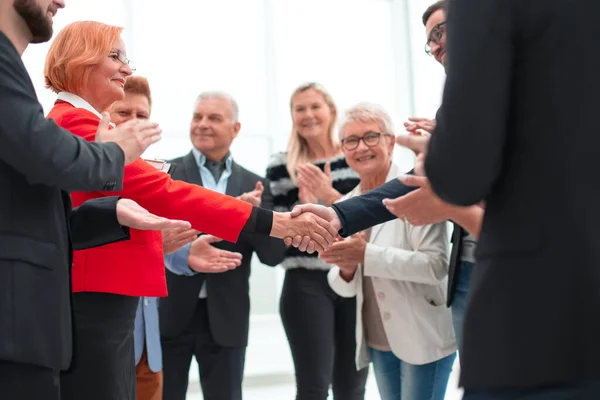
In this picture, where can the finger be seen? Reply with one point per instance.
(163, 223)
(229, 255)
(259, 186)
(312, 247)
(296, 241)
(321, 236)
(304, 243)
(105, 121)
(328, 169)
(287, 241)
(299, 209)
(417, 119)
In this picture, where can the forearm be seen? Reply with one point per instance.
(470, 218)
(95, 223)
(361, 212)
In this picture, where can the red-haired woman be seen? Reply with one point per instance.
(87, 66)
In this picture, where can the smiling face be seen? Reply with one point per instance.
(38, 16)
(311, 114)
(435, 32)
(107, 79)
(367, 160)
(213, 128)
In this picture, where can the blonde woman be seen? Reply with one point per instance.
(318, 323)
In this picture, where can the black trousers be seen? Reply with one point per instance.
(575, 391)
(28, 382)
(320, 328)
(104, 359)
(221, 368)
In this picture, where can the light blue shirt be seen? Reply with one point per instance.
(177, 262)
(147, 333)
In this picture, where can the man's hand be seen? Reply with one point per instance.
(418, 125)
(254, 197)
(346, 254)
(418, 144)
(420, 207)
(204, 257)
(133, 136)
(303, 243)
(316, 232)
(317, 182)
(174, 239)
(131, 214)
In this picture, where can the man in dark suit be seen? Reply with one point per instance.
(530, 330)
(207, 315)
(39, 164)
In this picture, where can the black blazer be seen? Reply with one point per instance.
(518, 129)
(228, 299)
(39, 163)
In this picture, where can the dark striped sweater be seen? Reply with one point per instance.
(285, 197)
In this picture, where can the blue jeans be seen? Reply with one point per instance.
(459, 303)
(398, 380)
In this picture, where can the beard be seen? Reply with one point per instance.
(36, 19)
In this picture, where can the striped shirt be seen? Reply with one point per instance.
(285, 197)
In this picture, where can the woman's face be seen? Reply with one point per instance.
(133, 106)
(107, 79)
(311, 114)
(365, 159)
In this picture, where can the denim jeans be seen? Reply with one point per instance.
(398, 380)
(459, 303)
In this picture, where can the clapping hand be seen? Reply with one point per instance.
(346, 254)
(174, 239)
(254, 197)
(317, 182)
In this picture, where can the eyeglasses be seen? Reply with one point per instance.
(435, 36)
(118, 56)
(370, 138)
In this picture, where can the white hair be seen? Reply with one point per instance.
(367, 112)
(233, 106)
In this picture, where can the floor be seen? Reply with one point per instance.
(286, 391)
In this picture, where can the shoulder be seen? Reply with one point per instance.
(76, 120)
(277, 167)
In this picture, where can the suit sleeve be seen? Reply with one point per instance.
(270, 251)
(95, 223)
(41, 151)
(466, 150)
(208, 211)
(361, 212)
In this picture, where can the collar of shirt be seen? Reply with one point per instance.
(207, 177)
(78, 102)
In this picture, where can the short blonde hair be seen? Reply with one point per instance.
(297, 149)
(367, 112)
(75, 51)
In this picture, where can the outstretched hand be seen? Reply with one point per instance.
(203, 257)
(131, 214)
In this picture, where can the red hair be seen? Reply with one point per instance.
(138, 85)
(75, 51)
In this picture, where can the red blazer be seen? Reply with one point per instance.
(136, 267)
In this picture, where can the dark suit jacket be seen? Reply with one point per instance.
(228, 293)
(517, 129)
(39, 163)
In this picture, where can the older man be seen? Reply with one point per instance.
(206, 316)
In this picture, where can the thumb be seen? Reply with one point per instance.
(212, 239)
(328, 169)
(413, 180)
(259, 186)
(297, 210)
(104, 122)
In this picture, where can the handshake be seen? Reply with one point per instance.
(309, 227)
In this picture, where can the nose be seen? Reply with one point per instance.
(362, 145)
(59, 3)
(126, 70)
(434, 47)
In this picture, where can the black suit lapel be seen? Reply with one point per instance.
(192, 170)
